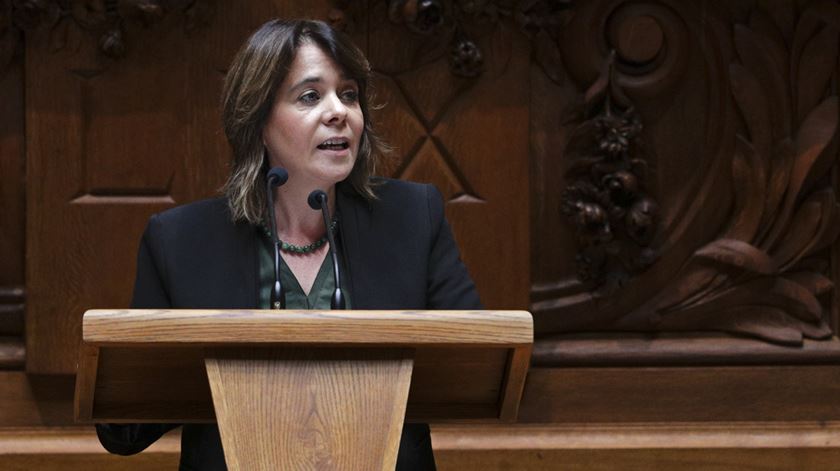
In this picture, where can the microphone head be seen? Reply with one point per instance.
(316, 199)
(277, 176)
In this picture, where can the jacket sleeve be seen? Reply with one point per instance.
(149, 293)
(449, 284)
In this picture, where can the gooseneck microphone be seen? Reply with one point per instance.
(318, 200)
(276, 177)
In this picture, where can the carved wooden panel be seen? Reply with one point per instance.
(443, 132)
(738, 114)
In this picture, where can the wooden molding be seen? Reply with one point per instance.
(640, 447)
(70, 440)
(648, 436)
(595, 395)
(674, 349)
(475, 328)
(58, 449)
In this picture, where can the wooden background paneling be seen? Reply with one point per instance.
(737, 103)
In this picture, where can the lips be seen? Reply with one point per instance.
(335, 143)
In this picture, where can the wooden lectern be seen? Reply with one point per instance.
(303, 389)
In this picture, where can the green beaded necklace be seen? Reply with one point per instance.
(302, 249)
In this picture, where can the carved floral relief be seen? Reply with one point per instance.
(104, 19)
(766, 197)
(766, 274)
(450, 20)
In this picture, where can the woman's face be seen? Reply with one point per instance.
(316, 122)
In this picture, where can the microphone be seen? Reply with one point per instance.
(318, 200)
(276, 177)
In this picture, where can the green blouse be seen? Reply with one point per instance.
(322, 289)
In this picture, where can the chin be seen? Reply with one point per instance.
(334, 177)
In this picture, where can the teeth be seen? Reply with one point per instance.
(339, 143)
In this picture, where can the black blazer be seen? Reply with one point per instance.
(398, 252)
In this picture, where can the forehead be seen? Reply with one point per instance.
(312, 62)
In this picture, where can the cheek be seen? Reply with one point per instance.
(358, 125)
(284, 134)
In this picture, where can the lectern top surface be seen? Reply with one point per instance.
(354, 327)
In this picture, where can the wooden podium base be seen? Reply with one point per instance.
(327, 408)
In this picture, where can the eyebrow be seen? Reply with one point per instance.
(305, 81)
(316, 79)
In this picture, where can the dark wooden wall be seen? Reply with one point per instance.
(12, 201)
(654, 180)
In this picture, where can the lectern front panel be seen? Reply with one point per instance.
(159, 384)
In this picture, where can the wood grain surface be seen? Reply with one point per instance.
(678, 435)
(682, 394)
(35, 401)
(64, 448)
(160, 327)
(86, 382)
(310, 409)
(759, 446)
(514, 382)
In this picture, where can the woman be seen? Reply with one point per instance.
(296, 97)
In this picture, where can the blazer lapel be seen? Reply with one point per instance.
(350, 210)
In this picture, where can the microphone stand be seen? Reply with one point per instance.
(318, 200)
(276, 177)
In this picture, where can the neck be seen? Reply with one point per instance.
(297, 223)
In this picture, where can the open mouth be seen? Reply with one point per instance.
(334, 144)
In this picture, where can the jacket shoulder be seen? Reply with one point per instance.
(403, 196)
(388, 187)
(202, 211)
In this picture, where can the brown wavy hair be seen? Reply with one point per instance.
(250, 86)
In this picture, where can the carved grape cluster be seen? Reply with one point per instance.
(614, 218)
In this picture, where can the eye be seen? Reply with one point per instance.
(309, 97)
(350, 95)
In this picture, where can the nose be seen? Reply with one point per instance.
(335, 111)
